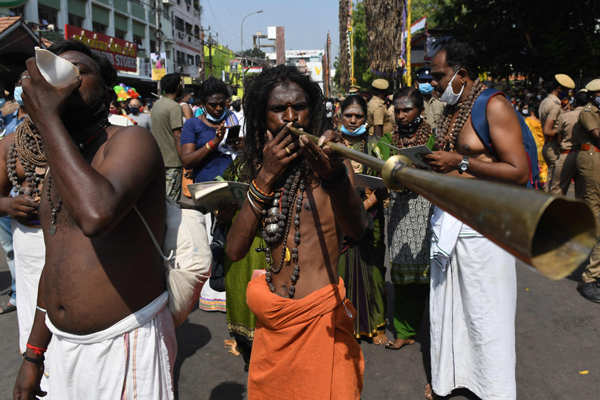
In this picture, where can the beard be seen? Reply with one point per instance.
(78, 114)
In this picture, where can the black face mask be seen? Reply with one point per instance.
(133, 110)
(411, 128)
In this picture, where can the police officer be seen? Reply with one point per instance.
(432, 107)
(378, 119)
(588, 166)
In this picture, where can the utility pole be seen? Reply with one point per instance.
(210, 44)
(202, 63)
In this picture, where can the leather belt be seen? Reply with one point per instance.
(589, 147)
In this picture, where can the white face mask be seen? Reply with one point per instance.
(449, 97)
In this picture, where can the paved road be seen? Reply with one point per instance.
(557, 337)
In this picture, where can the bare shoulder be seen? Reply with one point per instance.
(132, 140)
(499, 105)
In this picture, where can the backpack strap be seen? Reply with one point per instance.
(479, 116)
(154, 241)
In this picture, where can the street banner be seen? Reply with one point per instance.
(121, 53)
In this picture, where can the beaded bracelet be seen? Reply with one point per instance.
(260, 191)
(257, 210)
(259, 195)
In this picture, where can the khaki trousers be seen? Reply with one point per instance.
(551, 152)
(565, 169)
(588, 167)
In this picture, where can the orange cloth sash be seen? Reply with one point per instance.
(303, 349)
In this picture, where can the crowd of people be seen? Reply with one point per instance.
(317, 255)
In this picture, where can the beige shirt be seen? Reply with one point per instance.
(377, 114)
(166, 117)
(549, 108)
(589, 119)
(432, 111)
(567, 123)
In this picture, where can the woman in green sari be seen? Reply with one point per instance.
(361, 264)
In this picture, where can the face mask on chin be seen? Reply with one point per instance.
(357, 132)
(449, 97)
(18, 95)
(2, 102)
(597, 101)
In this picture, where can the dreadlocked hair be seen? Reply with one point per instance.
(255, 107)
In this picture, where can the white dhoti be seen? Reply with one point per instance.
(472, 307)
(30, 254)
(133, 359)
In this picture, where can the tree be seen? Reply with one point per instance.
(254, 53)
(535, 37)
(342, 69)
(384, 38)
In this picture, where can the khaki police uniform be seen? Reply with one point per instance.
(565, 167)
(550, 108)
(377, 114)
(588, 167)
(432, 111)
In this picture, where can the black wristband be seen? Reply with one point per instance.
(339, 178)
(37, 361)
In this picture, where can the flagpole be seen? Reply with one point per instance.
(351, 41)
(408, 39)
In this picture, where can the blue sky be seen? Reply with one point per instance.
(306, 22)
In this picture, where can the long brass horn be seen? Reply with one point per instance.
(553, 234)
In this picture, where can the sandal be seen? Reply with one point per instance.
(381, 339)
(8, 308)
(403, 342)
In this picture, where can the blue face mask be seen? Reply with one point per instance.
(597, 101)
(2, 101)
(18, 95)
(357, 132)
(425, 88)
(213, 119)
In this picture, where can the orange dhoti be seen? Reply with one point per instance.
(303, 349)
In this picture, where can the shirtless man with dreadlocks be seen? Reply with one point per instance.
(102, 297)
(303, 201)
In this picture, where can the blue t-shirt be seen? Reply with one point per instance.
(213, 165)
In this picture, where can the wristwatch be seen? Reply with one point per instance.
(463, 166)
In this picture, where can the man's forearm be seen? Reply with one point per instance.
(498, 171)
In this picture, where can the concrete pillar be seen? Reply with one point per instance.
(87, 22)
(31, 12)
(110, 31)
(63, 14)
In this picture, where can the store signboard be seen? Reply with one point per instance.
(121, 53)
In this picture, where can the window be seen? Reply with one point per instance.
(153, 45)
(198, 61)
(179, 24)
(75, 20)
(188, 28)
(97, 27)
(190, 59)
(139, 40)
(196, 31)
(120, 34)
(180, 58)
(47, 15)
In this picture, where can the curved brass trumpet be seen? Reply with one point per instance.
(553, 234)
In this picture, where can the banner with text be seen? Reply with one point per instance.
(121, 53)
